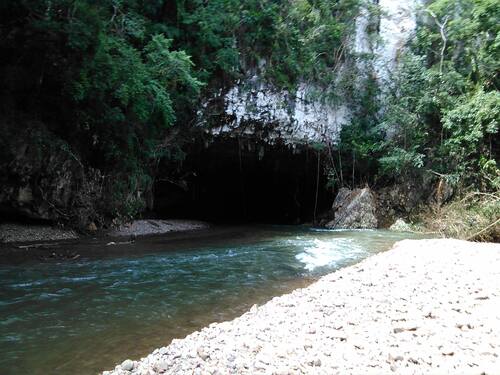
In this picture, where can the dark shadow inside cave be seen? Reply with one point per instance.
(241, 180)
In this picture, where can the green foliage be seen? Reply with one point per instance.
(473, 47)
(444, 119)
(360, 142)
(128, 99)
(112, 78)
(309, 41)
(116, 79)
(490, 173)
(103, 81)
(471, 125)
(400, 161)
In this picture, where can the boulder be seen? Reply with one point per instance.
(341, 198)
(400, 200)
(404, 199)
(400, 226)
(354, 209)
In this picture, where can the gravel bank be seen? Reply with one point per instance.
(149, 227)
(11, 232)
(424, 307)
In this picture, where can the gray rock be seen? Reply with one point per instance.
(354, 209)
(13, 232)
(342, 195)
(148, 227)
(316, 362)
(163, 350)
(42, 177)
(442, 192)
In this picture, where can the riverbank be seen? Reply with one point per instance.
(25, 233)
(427, 306)
(153, 227)
(14, 232)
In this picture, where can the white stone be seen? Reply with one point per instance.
(127, 365)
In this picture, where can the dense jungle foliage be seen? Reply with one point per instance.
(440, 112)
(118, 82)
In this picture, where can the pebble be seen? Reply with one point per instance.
(127, 365)
(202, 354)
(162, 365)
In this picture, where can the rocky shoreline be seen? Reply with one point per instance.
(13, 232)
(426, 306)
(151, 227)
(25, 233)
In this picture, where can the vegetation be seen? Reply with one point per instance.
(445, 107)
(118, 82)
(438, 119)
(472, 217)
(441, 110)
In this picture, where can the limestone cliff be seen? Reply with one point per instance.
(253, 106)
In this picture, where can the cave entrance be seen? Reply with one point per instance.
(242, 180)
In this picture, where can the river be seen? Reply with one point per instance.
(114, 302)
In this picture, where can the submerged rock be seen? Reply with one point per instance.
(354, 209)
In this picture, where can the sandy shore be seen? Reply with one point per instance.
(150, 227)
(14, 232)
(424, 307)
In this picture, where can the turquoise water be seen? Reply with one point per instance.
(86, 315)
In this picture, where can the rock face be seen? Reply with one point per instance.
(442, 193)
(397, 23)
(401, 200)
(354, 209)
(253, 106)
(41, 178)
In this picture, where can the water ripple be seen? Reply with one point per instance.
(50, 312)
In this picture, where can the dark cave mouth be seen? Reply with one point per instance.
(244, 181)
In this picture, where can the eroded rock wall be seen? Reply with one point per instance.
(290, 117)
(41, 178)
(254, 106)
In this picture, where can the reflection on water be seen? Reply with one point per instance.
(79, 317)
